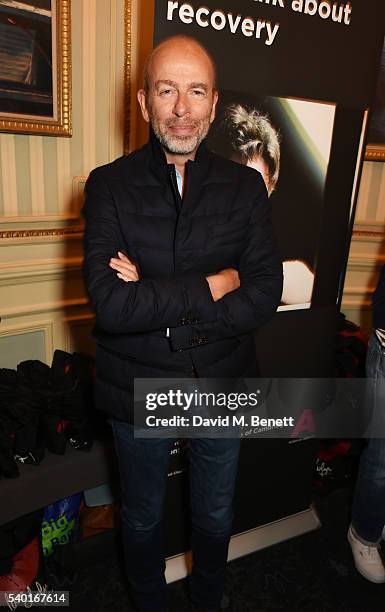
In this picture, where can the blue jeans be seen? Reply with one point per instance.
(143, 466)
(368, 512)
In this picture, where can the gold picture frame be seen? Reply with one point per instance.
(127, 75)
(39, 85)
(135, 129)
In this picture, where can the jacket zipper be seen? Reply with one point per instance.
(178, 205)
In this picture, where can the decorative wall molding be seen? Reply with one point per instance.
(367, 255)
(78, 184)
(375, 154)
(364, 263)
(359, 234)
(53, 306)
(358, 295)
(369, 228)
(64, 232)
(44, 325)
(28, 272)
(65, 224)
(69, 333)
(74, 326)
(33, 220)
(79, 319)
(360, 312)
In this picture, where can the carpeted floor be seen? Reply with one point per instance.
(311, 573)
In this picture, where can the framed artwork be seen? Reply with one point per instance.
(375, 150)
(35, 67)
(127, 75)
(135, 130)
(294, 158)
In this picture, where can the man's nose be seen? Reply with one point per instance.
(182, 106)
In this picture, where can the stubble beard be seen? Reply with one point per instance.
(178, 144)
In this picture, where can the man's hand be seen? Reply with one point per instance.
(223, 282)
(127, 270)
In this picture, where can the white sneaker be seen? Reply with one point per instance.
(367, 559)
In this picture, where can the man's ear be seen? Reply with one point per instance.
(142, 99)
(215, 101)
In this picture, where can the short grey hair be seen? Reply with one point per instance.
(252, 134)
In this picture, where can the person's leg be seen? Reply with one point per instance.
(368, 510)
(213, 468)
(143, 466)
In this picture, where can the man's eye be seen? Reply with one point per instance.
(166, 92)
(198, 92)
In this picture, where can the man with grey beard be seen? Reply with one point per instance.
(181, 267)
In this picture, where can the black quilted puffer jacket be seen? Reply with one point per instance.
(133, 205)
